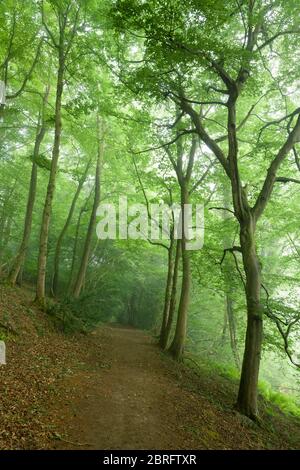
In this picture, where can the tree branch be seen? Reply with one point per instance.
(29, 73)
(230, 250)
(277, 35)
(198, 183)
(49, 32)
(267, 188)
(151, 149)
(283, 179)
(211, 143)
(221, 209)
(279, 324)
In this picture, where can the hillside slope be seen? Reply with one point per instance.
(113, 389)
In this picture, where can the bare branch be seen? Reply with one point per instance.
(147, 205)
(5, 63)
(151, 149)
(211, 143)
(217, 90)
(277, 121)
(277, 35)
(200, 181)
(280, 326)
(49, 32)
(73, 32)
(294, 245)
(191, 158)
(233, 251)
(230, 250)
(241, 124)
(283, 179)
(28, 74)
(297, 160)
(222, 209)
(267, 188)
(158, 243)
(199, 102)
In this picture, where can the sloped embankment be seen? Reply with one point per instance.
(33, 382)
(113, 389)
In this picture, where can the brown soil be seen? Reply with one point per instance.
(114, 389)
(129, 403)
(139, 399)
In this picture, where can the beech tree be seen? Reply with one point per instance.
(21, 46)
(40, 133)
(205, 58)
(82, 179)
(92, 223)
(68, 21)
(162, 102)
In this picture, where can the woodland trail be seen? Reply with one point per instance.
(128, 395)
(130, 403)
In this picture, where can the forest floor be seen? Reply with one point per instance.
(114, 389)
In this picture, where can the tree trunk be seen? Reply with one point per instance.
(225, 322)
(5, 221)
(177, 346)
(232, 330)
(19, 260)
(173, 298)
(74, 254)
(168, 293)
(17, 264)
(5, 241)
(131, 310)
(19, 280)
(55, 280)
(44, 234)
(247, 396)
(229, 303)
(88, 241)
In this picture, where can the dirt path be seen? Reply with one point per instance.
(129, 401)
(128, 395)
(114, 389)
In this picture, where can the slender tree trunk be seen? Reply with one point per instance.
(168, 292)
(232, 330)
(6, 237)
(74, 254)
(247, 396)
(20, 276)
(17, 264)
(5, 221)
(173, 298)
(19, 260)
(225, 323)
(177, 346)
(229, 319)
(55, 280)
(44, 234)
(89, 236)
(131, 310)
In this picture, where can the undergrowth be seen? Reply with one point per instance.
(288, 404)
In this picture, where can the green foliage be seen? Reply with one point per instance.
(130, 63)
(71, 317)
(287, 404)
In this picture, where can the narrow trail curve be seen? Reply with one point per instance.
(128, 395)
(130, 402)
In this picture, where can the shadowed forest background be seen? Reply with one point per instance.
(163, 102)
